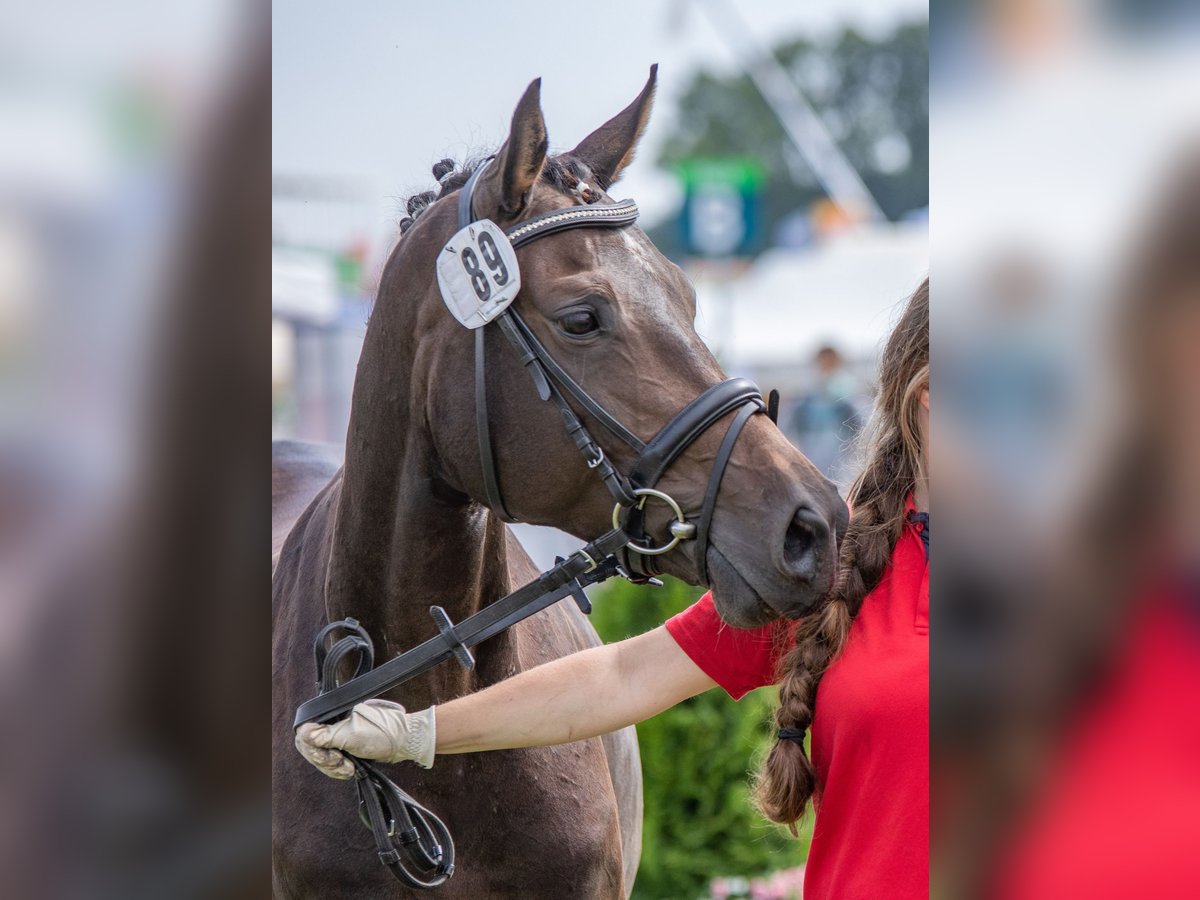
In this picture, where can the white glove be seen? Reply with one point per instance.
(376, 729)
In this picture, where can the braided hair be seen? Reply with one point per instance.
(893, 466)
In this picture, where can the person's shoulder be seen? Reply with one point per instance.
(737, 659)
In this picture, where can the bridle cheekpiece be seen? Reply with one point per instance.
(630, 493)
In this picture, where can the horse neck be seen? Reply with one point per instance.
(402, 539)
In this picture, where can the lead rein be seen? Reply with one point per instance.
(592, 564)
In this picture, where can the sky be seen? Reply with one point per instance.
(374, 93)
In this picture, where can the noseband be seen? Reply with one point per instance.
(654, 457)
(409, 839)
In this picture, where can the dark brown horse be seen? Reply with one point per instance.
(403, 525)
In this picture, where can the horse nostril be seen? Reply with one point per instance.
(804, 543)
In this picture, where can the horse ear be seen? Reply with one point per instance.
(610, 148)
(505, 188)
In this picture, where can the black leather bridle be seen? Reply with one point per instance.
(655, 456)
(403, 829)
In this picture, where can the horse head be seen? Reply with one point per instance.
(617, 316)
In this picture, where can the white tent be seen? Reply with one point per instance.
(845, 291)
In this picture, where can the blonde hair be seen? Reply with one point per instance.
(893, 465)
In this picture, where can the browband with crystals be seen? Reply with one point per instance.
(609, 215)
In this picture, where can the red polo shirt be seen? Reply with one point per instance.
(1116, 814)
(870, 735)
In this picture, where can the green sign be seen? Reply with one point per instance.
(744, 173)
(721, 209)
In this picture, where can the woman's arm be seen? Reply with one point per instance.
(578, 696)
(575, 697)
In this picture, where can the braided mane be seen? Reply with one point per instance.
(565, 173)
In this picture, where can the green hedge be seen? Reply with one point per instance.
(696, 761)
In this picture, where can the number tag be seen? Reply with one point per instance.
(478, 274)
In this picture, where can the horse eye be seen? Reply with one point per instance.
(579, 323)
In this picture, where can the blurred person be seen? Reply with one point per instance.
(867, 646)
(1131, 673)
(1014, 374)
(134, 557)
(1065, 722)
(826, 419)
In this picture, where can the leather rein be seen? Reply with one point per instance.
(410, 840)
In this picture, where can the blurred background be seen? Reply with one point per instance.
(785, 168)
(134, 315)
(137, 169)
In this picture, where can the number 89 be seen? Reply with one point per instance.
(491, 256)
